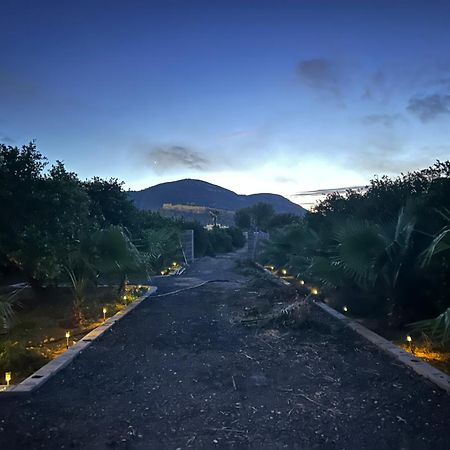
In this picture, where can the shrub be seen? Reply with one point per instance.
(16, 358)
(220, 240)
(237, 237)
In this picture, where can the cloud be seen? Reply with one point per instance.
(429, 107)
(387, 120)
(6, 140)
(322, 74)
(240, 134)
(170, 157)
(340, 190)
(284, 179)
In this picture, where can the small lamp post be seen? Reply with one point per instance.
(104, 313)
(409, 340)
(7, 378)
(67, 338)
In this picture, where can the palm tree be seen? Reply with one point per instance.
(7, 312)
(108, 251)
(370, 257)
(158, 248)
(438, 327)
(292, 247)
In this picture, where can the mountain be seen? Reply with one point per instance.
(180, 197)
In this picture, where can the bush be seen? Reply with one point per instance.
(237, 237)
(220, 241)
(16, 358)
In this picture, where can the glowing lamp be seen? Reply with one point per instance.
(284, 271)
(345, 309)
(302, 282)
(67, 338)
(162, 272)
(174, 264)
(409, 340)
(314, 291)
(7, 378)
(104, 313)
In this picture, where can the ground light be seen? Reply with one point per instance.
(314, 291)
(174, 264)
(284, 271)
(302, 282)
(345, 309)
(7, 378)
(67, 338)
(409, 340)
(104, 314)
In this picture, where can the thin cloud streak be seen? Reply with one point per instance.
(340, 190)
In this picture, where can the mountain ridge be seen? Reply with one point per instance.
(189, 191)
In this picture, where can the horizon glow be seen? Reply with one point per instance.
(262, 96)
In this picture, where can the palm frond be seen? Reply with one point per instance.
(359, 245)
(439, 327)
(329, 273)
(439, 244)
(7, 312)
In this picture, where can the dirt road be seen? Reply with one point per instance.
(181, 371)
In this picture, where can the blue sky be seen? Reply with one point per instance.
(257, 96)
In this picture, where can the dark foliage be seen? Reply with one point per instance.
(365, 247)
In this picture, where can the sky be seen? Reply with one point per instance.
(256, 96)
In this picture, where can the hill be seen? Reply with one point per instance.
(172, 198)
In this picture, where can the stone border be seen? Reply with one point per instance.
(38, 378)
(419, 366)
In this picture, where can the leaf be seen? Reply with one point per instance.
(439, 327)
(359, 245)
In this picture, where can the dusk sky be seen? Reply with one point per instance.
(256, 96)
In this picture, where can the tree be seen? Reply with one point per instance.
(110, 204)
(262, 213)
(256, 216)
(46, 213)
(243, 219)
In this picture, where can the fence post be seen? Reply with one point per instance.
(187, 245)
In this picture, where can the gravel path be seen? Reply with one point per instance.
(181, 371)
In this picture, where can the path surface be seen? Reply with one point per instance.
(182, 372)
